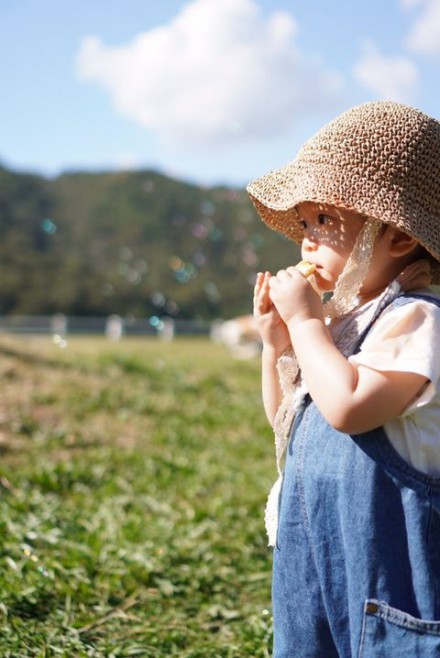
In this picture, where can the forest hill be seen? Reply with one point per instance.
(135, 243)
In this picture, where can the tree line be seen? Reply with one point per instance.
(132, 243)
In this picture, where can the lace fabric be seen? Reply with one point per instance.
(345, 297)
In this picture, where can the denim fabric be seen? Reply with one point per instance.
(356, 524)
(356, 571)
(388, 632)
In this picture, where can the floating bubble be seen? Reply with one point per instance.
(175, 263)
(185, 272)
(191, 269)
(48, 226)
(134, 277)
(200, 231)
(199, 258)
(182, 276)
(59, 341)
(172, 308)
(126, 253)
(156, 322)
(207, 208)
(141, 266)
(158, 299)
(212, 292)
(215, 234)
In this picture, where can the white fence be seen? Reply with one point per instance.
(114, 326)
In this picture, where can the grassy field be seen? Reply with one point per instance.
(133, 479)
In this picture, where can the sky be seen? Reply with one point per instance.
(207, 91)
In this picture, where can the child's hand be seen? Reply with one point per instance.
(273, 330)
(294, 297)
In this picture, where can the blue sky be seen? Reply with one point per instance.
(211, 91)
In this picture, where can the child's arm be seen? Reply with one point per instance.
(352, 398)
(276, 340)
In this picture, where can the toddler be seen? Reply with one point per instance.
(351, 386)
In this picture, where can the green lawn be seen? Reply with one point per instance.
(132, 486)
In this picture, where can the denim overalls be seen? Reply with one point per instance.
(356, 570)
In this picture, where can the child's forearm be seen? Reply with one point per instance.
(271, 389)
(353, 399)
(331, 379)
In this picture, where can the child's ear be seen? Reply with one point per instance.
(400, 243)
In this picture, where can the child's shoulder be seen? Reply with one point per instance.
(416, 314)
(405, 337)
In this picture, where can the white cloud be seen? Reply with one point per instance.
(218, 70)
(424, 36)
(409, 4)
(392, 78)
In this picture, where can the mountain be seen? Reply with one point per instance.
(136, 243)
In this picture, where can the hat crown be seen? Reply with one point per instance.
(395, 147)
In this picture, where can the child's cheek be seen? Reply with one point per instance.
(325, 281)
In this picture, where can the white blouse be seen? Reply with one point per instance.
(406, 339)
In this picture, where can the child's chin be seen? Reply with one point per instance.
(323, 285)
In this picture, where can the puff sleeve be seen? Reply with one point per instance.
(406, 339)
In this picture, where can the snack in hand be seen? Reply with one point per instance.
(306, 268)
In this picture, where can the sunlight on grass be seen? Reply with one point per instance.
(133, 482)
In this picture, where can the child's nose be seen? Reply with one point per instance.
(309, 242)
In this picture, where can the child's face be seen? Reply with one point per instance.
(329, 237)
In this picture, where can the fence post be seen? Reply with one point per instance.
(167, 330)
(58, 325)
(114, 327)
(215, 331)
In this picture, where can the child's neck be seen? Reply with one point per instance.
(369, 296)
(415, 276)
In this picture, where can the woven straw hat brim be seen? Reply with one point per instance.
(379, 159)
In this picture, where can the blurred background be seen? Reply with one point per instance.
(128, 132)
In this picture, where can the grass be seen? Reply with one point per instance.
(133, 479)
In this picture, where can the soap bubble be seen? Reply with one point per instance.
(158, 299)
(207, 208)
(48, 226)
(156, 323)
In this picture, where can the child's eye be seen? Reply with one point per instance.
(323, 219)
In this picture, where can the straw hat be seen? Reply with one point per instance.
(381, 159)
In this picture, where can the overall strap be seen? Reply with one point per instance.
(423, 297)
